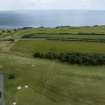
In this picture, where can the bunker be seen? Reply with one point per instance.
(1, 89)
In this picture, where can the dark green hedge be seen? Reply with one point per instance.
(74, 58)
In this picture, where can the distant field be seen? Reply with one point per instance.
(29, 47)
(61, 31)
(96, 31)
(17, 33)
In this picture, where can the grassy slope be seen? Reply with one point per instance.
(52, 83)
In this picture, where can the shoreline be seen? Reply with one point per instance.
(51, 27)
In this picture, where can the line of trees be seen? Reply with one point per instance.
(73, 58)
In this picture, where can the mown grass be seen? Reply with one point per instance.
(51, 82)
(29, 47)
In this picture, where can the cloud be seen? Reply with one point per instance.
(51, 4)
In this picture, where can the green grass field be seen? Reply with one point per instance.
(56, 31)
(51, 82)
(29, 47)
(17, 33)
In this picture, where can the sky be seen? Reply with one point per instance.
(52, 4)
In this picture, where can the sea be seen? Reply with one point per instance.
(51, 18)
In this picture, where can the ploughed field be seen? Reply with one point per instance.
(51, 82)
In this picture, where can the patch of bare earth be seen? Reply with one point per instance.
(5, 46)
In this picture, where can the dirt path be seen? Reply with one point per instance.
(5, 46)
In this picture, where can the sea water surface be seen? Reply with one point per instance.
(51, 18)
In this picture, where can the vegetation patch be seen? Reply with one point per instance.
(74, 58)
(29, 47)
(11, 76)
(32, 81)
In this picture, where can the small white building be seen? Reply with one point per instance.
(1, 89)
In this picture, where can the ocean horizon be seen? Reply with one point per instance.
(51, 18)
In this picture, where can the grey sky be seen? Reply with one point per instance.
(52, 4)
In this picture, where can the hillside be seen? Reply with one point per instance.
(51, 82)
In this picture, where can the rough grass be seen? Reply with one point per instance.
(29, 47)
(73, 30)
(63, 31)
(52, 83)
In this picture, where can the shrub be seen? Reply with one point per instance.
(74, 58)
(11, 76)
